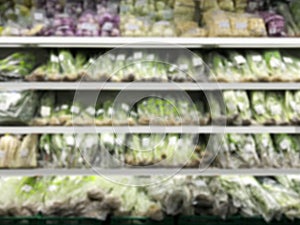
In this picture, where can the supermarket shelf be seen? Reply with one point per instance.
(145, 86)
(147, 171)
(152, 129)
(108, 42)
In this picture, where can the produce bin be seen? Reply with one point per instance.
(141, 221)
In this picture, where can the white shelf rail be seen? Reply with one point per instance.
(146, 42)
(152, 129)
(145, 86)
(147, 172)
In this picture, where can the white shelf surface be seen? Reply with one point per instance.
(152, 129)
(109, 42)
(148, 86)
(147, 172)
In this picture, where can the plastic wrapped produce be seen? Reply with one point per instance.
(292, 106)
(218, 66)
(275, 65)
(17, 65)
(239, 24)
(226, 5)
(134, 27)
(288, 148)
(17, 152)
(243, 151)
(26, 156)
(238, 67)
(209, 5)
(240, 5)
(74, 7)
(256, 26)
(275, 108)
(292, 66)
(258, 65)
(67, 64)
(108, 18)
(166, 27)
(190, 29)
(258, 103)
(285, 197)
(54, 7)
(275, 24)
(266, 151)
(63, 25)
(87, 25)
(218, 23)
(284, 9)
(184, 11)
(17, 107)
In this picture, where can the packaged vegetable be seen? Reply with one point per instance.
(209, 5)
(275, 65)
(226, 5)
(239, 24)
(258, 65)
(256, 26)
(258, 103)
(17, 107)
(217, 23)
(275, 107)
(239, 68)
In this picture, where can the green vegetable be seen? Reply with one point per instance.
(257, 65)
(17, 107)
(284, 10)
(218, 65)
(275, 107)
(286, 146)
(67, 63)
(17, 66)
(258, 101)
(274, 63)
(266, 150)
(239, 68)
(295, 9)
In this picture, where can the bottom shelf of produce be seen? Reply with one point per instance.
(181, 220)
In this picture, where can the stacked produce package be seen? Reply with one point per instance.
(271, 198)
(109, 150)
(154, 66)
(137, 18)
(240, 108)
(60, 18)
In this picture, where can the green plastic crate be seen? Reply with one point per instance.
(48, 221)
(141, 221)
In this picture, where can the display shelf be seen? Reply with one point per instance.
(108, 42)
(147, 171)
(152, 129)
(145, 86)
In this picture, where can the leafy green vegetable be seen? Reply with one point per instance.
(239, 67)
(274, 62)
(258, 101)
(257, 65)
(17, 65)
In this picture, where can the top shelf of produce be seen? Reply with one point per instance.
(147, 42)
